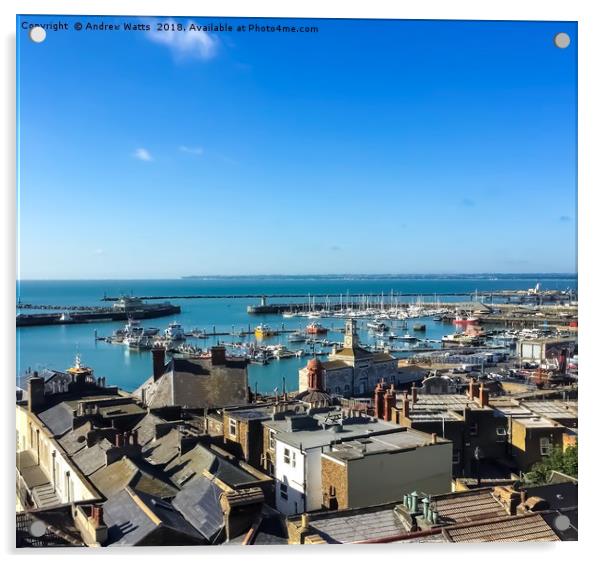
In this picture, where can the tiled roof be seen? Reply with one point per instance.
(527, 528)
(467, 506)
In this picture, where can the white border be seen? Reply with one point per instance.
(590, 219)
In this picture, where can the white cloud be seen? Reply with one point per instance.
(99, 252)
(198, 151)
(185, 44)
(142, 154)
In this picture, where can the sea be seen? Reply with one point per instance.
(55, 347)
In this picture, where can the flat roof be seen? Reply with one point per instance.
(536, 422)
(314, 438)
(408, 439)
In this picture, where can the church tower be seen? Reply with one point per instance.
(351, 338)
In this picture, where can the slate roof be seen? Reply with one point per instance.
(162, 450)
(192, 464)
(199, 502)
(58, 419)
(356, 352)
(146, 428)
(192, 383)
(356, 525)
(133, 516)
(138, 475)
(92, 459)
(74, 441)
(272, 530)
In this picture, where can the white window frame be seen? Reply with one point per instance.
(293, 459)
(545, 446)
(232, 422)
(272, 439)
(283, 491)
(287, 456)
(455, 457)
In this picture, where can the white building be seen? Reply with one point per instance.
(301, 443)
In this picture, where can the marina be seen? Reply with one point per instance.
(285, 340)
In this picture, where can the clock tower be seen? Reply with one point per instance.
(351, 338)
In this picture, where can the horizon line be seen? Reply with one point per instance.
(315, 275)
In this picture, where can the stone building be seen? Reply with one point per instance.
(353, 370)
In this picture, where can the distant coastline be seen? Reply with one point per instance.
(483, 276)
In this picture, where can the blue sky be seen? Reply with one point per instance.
(368, 147)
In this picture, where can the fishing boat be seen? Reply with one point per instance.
(464, 320)
(263, 330)
(139, 342)
(315, 328)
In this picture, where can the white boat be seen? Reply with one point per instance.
(174, 331)
(297, 336)
(408, 337)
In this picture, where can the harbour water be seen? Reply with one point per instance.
(54, 347)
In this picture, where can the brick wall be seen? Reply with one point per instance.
(334, 475)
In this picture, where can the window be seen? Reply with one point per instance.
(456, 457)
(545, 446)
(272, 439)
(473, 429)
(347, 388)
(287, 455)
(500, 432)
(283, 491)
(293, 459)
(233, 427)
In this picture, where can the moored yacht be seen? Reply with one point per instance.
(174, 331)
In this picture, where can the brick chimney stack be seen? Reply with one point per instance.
(379, 401)
(483, 396)
(35, 391)
(390, 400)
(158, 362)
(218, 355)
(414, 394)
(406, 406)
